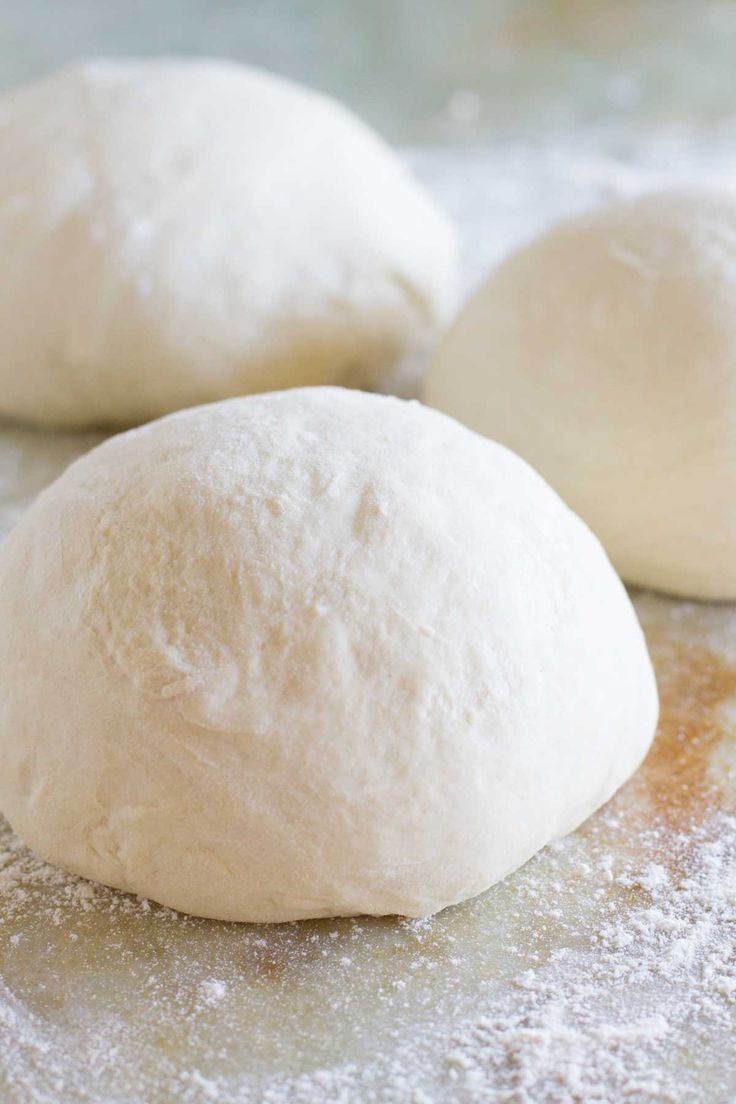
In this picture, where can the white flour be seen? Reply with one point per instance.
(644, 989)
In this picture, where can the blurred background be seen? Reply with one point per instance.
(435, 71)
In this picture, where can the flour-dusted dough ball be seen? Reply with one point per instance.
(173, 232)
(605, 354)
(309, 654)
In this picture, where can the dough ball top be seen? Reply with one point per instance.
(179, 231)
(604, 353)
(307, 654)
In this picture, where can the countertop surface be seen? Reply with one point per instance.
(429, 71)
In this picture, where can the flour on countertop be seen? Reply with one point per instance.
(600, 1020)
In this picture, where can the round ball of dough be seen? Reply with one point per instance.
(173, 232)
(605, 354)
(309, 654)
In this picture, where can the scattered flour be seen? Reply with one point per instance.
(635, 1005)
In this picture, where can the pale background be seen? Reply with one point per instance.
(530, 66)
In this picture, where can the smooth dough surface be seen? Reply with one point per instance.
(308, 654)
(176, 231)
(604, 352)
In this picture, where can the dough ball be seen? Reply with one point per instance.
(173, 232)
(310, 654)
(605, 354)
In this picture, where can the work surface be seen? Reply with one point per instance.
(602, 971)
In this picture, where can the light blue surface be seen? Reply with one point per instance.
(429, 70)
